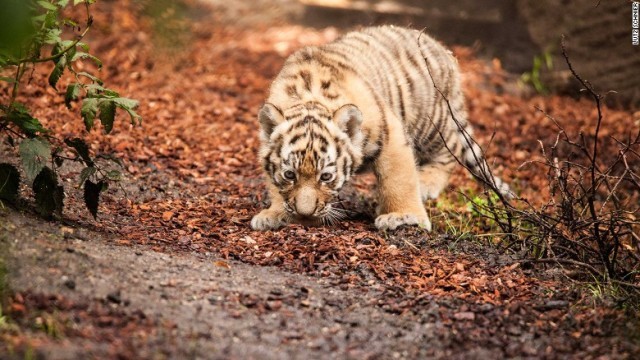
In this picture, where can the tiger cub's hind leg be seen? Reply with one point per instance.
(435, 174)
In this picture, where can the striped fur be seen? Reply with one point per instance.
(373, 97)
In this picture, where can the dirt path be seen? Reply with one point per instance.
(103, 300)
(202, 305)
(174, 271)
(199, 306)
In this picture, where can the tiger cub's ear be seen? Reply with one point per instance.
(349, 119)
(269, 117)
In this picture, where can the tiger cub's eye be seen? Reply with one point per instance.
(289, 175)
(326, 177)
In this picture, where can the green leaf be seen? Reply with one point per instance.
(57, 71)
(20, 107)
(36, 20)
(63, 3)
(114, 175)
(81, 148)
(125, 103)
(134, 116)
(83, 46)
(73, 90)
(84, 55)
(53, 35)
(86, 173)
(51, 23)
(9, 182)
(92, 77)
(107, 114)
(76, 2)
(47, 5)
(16, 29)
(10, 80)
(128, 105)
(70, 23)
(109, 93)
(49, 195)
(94, 90)
(89, 111)
(92, 196)
(32, 126)
(64, 47)
(35, 154)
(19, 115)
(98, 91)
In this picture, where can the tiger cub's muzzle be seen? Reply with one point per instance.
(307, 203)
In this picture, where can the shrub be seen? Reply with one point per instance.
(591, 218)
(28, 28)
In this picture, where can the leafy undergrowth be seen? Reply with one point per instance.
(193, 183)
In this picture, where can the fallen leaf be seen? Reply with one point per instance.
(167, 215)
(465, 315)
(222, 264)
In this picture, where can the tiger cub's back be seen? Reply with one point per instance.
(402, 65)
(419, 79)
(382, 70)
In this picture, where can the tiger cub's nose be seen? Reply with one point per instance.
(306, 201)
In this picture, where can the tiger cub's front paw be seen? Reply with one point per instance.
(394, 220)
(267, 220)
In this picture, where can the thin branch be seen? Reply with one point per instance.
(59, 54)
(563, 261)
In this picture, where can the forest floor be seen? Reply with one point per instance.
(171, 268)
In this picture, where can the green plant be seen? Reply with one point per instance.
(48, 324)
(27, 29)
(457, 225)
(533, 77)
(4, 324)
(601, 292)
(461, 219)
(447, 220)
(477, 204)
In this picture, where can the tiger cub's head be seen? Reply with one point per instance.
(310, 152)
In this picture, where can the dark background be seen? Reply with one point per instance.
(598, 34)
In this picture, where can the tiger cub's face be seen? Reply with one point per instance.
(310, 153)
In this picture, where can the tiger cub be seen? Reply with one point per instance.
(373, 97)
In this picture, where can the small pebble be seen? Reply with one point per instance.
(70, 284)
(115, 297)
